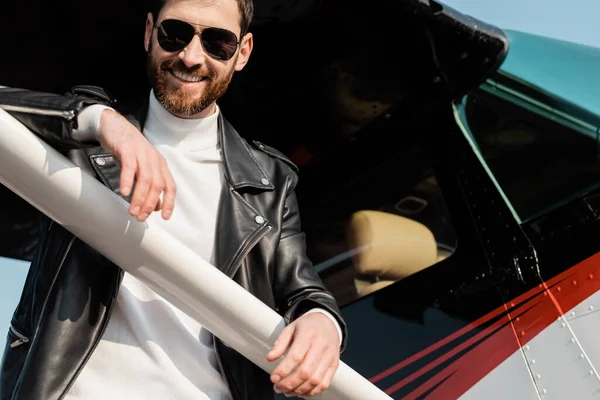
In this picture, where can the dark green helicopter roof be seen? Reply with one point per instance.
(561, 75)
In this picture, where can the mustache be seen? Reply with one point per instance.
(178, 65)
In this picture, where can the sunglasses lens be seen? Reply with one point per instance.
(174, 35)
(221, 44)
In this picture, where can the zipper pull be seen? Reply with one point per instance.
(18, 342)
(21, 339)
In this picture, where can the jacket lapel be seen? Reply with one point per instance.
(239, 225)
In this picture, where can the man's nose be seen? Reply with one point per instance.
(194, 53)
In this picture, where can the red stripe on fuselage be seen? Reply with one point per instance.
(529, 313)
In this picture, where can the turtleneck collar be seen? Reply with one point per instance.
(163, 128)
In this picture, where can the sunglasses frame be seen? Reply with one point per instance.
(199, 34)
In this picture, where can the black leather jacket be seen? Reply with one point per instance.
(70, 289)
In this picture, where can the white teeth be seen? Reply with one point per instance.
(186, 77)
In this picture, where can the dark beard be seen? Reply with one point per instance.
(182, 103)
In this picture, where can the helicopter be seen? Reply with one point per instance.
(449, 180)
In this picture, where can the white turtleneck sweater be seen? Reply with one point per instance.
(150, 349)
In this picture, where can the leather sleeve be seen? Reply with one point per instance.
(298, 288)
(50, 116)
(53, 118)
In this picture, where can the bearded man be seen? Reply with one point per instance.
(84, 329)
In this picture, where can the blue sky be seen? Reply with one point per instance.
(574, 20)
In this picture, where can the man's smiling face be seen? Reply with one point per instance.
(188, 82)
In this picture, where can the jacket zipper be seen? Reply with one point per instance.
(68, 115)
(44, 305)
(250, 243)
(245, 249)
(21, 339)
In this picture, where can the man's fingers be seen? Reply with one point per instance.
(168, 203)
(140, 163)
(305, 371)
(152, 200)
(282, 343)
(326, 382)
(294, 357)
(156, 187)
(128, 168)
(316, 379)
(140, 193)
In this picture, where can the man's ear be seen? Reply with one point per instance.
(148, 33)
(245, 51)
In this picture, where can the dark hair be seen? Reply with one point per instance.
(246, 8)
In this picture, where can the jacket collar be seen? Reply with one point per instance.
(242, 170)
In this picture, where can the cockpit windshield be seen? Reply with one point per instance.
(535, 126)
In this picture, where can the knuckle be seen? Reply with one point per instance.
(127, 163)
(158, 184)
(315, 381)
(296, 358)
(138, 197)
(144, 178)
(304, 373)
(148, 207)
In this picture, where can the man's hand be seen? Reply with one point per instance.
(312, 359)
(139, 160)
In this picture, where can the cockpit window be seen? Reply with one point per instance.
(539, 158)
(373, 216)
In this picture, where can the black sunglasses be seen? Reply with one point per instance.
(175, 35)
